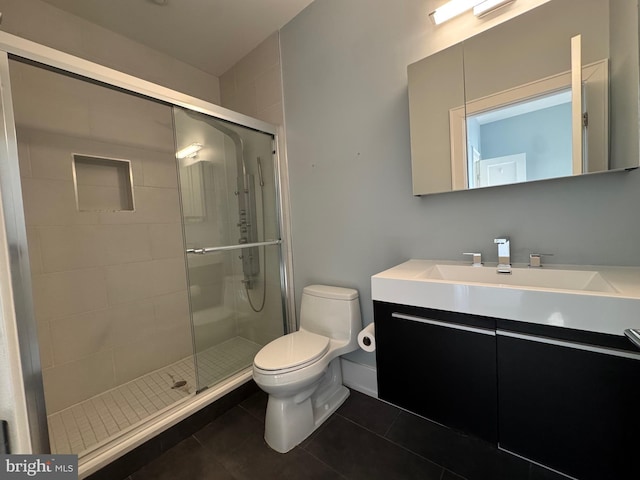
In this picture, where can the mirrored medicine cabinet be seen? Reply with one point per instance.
(550, 93)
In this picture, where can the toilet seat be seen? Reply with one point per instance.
(291, 352)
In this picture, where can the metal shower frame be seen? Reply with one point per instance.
(16, 301)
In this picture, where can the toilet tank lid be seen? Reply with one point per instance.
(335, 293)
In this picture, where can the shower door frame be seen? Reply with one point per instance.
(28, 397)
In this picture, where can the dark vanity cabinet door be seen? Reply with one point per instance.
(571, 409)
(442, 370)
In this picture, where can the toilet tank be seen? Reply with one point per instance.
(331, 311)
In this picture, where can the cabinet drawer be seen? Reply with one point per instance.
(444, 372)
(571, 407)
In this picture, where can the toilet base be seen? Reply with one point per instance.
(289, 421)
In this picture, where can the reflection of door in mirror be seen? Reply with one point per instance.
(501, 170)
(535, 118)
(540, 128)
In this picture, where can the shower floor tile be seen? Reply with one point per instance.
(88, 424)
(219, 362)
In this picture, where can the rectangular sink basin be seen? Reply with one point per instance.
(598, 299)
(582, 280)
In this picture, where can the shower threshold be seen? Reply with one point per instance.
(90, 424)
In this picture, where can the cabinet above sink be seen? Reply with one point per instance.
(593, 298)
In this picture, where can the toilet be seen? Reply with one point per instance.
(301, 371)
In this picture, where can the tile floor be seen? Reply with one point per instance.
(364, 439)
(89, 424)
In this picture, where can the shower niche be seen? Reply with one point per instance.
(102, 184)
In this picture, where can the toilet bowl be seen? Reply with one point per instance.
(301, 371)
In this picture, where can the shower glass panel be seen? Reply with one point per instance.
(229, 205)
(104, 229)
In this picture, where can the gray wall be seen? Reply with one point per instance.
(347, 121)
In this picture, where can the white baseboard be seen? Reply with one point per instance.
(359, 377)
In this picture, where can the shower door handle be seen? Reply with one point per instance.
(202, 251)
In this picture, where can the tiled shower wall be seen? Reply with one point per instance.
(43, 23)
(253, 86)
(110, 288)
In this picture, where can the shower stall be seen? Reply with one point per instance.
(144, 233)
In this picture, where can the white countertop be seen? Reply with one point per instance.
(414, 283)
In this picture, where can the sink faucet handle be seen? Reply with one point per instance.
(535, 259)
(477, 258)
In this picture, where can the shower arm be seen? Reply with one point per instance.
(242, 182)
(241, 166)
(246, 210)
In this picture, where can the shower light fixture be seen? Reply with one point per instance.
(189, 151)
(453, 8)
(489, 6)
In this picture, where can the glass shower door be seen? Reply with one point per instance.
(229, 208)
(98, 181)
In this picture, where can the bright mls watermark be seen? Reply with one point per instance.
(51, 467)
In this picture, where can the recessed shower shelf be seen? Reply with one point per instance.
(103, 184)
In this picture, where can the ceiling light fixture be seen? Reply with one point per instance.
(489, 6)
(189, 151)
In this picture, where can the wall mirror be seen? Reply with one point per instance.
(550, 93)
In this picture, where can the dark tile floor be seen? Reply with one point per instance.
(364, 439)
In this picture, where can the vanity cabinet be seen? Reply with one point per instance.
(564, 398)
(439, 365)
(571, 406)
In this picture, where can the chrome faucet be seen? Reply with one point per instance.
(504, 255)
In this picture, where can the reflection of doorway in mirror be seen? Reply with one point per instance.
(474, 167)
(534, 118)
(540, 127)
(501, 170)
